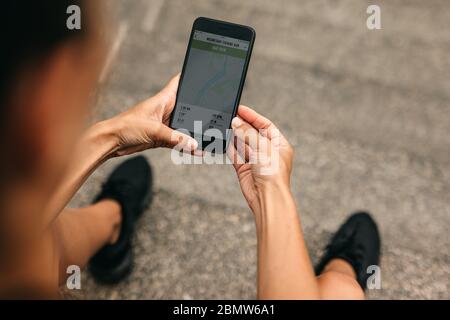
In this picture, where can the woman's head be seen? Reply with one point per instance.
(47, 73)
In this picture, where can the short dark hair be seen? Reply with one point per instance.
(30, 31)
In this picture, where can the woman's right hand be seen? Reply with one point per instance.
(284, 267)
(261, 156)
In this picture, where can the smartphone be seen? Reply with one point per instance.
(211, 82)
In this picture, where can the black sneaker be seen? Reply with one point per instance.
(131, 185)
(358, 242)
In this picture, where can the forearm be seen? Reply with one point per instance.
(96, 146)
(284, 267)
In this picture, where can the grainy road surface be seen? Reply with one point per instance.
(367, 111)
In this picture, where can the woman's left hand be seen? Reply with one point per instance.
(145, 125)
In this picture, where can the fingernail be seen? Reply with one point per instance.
(198, 153)
(192, 144)
(236, 122)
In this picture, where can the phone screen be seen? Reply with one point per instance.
(211, 83)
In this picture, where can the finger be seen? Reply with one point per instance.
(261, 123)
(172, 86)
(244, 151)
(245, 132)
(170, 138)
(198, 153)
(241, 151)
(234, 156)
(253, 117)
(169, 93)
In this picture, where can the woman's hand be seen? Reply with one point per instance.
(263, 161)
(261, 156)
(145, 126)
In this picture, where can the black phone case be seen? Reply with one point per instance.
(227, 29)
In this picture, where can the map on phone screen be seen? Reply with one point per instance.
(211, 81)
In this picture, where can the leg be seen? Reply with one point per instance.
(338, 282)
(71, 239)
(102, 233)
(80, 233)
(353, 248)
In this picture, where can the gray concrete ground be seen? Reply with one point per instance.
(367, 111)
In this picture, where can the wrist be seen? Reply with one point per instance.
(276, 208)
(101, 140)
(273, 194)
(276, 185)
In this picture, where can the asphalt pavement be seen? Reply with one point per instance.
(368, 113)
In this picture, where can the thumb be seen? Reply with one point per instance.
(170, 138)
(170, 90)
